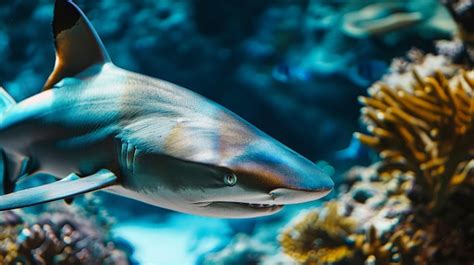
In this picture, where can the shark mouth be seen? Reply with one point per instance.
(230, 204)
(253, 206)
(262, 206)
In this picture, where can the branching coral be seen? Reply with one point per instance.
(410, 206)
(398, 248)
(378, 211)
(426, 130)
(66, 238)
(62, 236)
(319, 238)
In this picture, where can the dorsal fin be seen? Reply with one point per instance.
(78, 46)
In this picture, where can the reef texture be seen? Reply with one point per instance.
(354, 229)
(320, 237)
(63, 235)
(410, 207)
(426, 131)
(462, 12)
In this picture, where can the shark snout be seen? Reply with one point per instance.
(286, 176)
(305, 183)
(290, 196)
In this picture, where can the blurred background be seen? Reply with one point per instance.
(293, 68)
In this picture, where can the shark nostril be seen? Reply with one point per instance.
(272, 195)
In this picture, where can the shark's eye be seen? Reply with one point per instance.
(230, 179)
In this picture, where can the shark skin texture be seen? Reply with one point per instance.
(99, 127)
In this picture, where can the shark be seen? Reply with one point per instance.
(96, 126)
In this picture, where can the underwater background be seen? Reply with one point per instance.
(310, 73)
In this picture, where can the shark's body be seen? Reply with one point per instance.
(143, 138)
(85, 125)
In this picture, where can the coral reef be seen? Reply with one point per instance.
(425, 130)
(409, 207)
(286, 66)
(8, 233)
(364, 215)
(63, 235)
(462, 12)
(320, 237)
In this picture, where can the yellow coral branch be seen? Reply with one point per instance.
(426, 126)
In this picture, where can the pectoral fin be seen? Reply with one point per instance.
(70, 200)
(66, 188)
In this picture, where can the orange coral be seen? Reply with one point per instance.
(319, 238)
(8, 247)
(426, 129)
(424, 134)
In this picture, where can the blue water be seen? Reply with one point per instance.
(289, 67)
